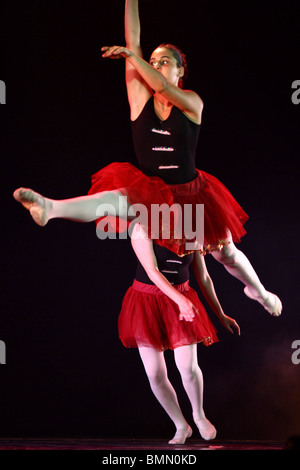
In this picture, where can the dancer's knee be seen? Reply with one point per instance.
(187, 364)
(154, 365)
(156, 377)
(188, 374)
(228, 255)
(107, 197)
(113, 201)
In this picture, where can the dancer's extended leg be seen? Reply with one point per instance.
(156, 370)
(238, 265)
(79, 209)
(192, 379)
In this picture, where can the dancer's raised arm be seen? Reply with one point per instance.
(132, 26)
(138, 90)
(162, 76)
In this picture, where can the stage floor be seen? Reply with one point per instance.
(116, 445)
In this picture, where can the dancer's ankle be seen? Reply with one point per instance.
(268, 300)
(260, 295)
(181, 435)
(206, 429)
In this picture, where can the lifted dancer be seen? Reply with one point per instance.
(166, 122)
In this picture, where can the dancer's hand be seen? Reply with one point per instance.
(229, 324)
(115, 52)
(187, 310)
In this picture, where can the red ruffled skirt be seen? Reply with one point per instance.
(149, 318)
(222, 213)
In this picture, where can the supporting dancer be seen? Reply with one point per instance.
(165, 122)
(161, 311)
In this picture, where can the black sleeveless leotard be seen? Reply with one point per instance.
(173, 267)
(165, 148)
(165, 152)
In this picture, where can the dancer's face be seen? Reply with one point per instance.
(163, 60)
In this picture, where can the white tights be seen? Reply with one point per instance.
(192, 379)
(79, 209)
(90, 208)
(238, 265)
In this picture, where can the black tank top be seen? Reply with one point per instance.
(173, 267)
(165, 148)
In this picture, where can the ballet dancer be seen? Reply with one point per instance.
(165, 122)
(161, 311)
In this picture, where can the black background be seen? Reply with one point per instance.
(67, 374)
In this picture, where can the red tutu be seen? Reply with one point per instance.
(222, 213)
(149, 318)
